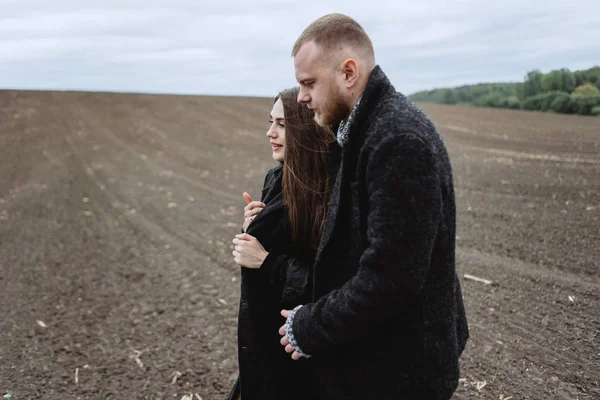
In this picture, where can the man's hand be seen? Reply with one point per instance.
(251, 210)
(285, 342)
(248, 252)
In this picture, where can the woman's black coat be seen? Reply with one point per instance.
(282, 282)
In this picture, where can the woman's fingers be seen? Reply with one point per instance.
(253, 208)
(237, 257)
(252, 212)
(254, 204)
(240, 241)
(240, 249)
(243, 237)
(243, 243)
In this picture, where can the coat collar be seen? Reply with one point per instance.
(343, 128)
(272, 196)
(377, 86)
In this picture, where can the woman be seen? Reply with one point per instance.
(277, 251)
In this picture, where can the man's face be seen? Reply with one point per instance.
(320, 85)
(276, 132)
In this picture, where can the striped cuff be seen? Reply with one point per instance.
(290, 334)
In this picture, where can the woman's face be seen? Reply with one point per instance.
(276, 132)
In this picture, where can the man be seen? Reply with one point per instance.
(388, 321)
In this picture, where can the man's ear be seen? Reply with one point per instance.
(351, 72)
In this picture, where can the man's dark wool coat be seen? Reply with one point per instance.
(388, 320)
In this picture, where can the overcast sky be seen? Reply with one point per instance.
(243, 47)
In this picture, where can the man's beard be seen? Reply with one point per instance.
(334, 111)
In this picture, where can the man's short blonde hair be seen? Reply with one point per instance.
(334, 31)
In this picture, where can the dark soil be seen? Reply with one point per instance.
(116, 217)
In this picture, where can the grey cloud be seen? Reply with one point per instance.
(243, 48)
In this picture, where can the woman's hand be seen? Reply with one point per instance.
(251, 210)
(248, 252)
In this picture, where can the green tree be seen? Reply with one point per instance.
(513, 102)
(567, 80)
(449, 97)
(533, 83)
(519, 91)
(532, 103)
(579, 77)
(562, 103)
(560, 91)
(493, 99)
(585, 104)
(559, 79)
(592, 74)
(547, 102)
(586, 89)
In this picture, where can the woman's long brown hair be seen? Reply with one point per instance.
(306, 171)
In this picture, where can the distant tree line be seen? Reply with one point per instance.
(559, 91)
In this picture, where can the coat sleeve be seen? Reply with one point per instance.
(404, 212)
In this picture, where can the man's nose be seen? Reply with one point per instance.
(302, 97)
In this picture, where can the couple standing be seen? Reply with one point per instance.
(349, 287)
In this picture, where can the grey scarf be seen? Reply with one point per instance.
(344, 128)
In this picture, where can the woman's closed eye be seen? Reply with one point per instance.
(279, 123)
